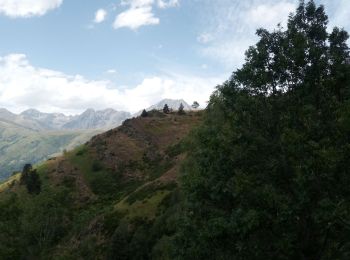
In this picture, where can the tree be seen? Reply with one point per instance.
(181, 110)
(195, 105)
(144, 113)
(166, 109)
(267, 174)
(27, 168)
(30, 178)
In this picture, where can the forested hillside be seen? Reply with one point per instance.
(116, 197)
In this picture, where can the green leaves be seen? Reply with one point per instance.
(269, 168)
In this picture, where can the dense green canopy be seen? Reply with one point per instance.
(269, 172)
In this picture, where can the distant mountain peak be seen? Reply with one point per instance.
(172, 104)
(31, 112)
(5, 114)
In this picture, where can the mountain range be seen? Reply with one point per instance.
(33, 136)
(90, 119)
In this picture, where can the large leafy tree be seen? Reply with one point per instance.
(268, 174)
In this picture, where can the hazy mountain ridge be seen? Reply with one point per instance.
(90, 119)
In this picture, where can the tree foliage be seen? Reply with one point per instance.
(181, 110)
(268, 173)
(144, 113)
(195, 105)
(30, 179)
(166, 109)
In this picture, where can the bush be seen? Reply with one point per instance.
(144, 113)
(97, 166)
(30, 178)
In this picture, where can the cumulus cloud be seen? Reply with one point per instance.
(100, 16)
(141, 13)
(24, 86)
(27, 8)
(136, 17)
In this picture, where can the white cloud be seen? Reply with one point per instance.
(24, 86)
(269, 15)
(27, 8)
(205, 38)
(204, 66)
(339, 13)
(111, 71)
(140, 13)
(167, 4)
(136, 17)
(100, 16)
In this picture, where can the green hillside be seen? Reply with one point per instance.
(116, 197)
(20, 145)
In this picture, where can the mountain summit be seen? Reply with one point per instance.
(173, 104)
(92, 119)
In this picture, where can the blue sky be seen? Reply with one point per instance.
(70, 55)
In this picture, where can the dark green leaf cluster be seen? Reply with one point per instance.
(181, 110)
(268, 174)
(166, 109)
(144, 113)
(30, 178)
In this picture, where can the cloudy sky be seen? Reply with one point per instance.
(70, 55)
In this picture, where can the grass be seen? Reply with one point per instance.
(5, 185)
(146, 208)
(102, 181)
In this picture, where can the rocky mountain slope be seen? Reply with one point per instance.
(92, 119)
(108, 195)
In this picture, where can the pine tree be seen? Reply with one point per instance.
(166, 109)
(181, 110)
(144, 113)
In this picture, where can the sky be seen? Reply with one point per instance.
(70, 55)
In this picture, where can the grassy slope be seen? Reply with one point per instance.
(122, 190)
(20, 145)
